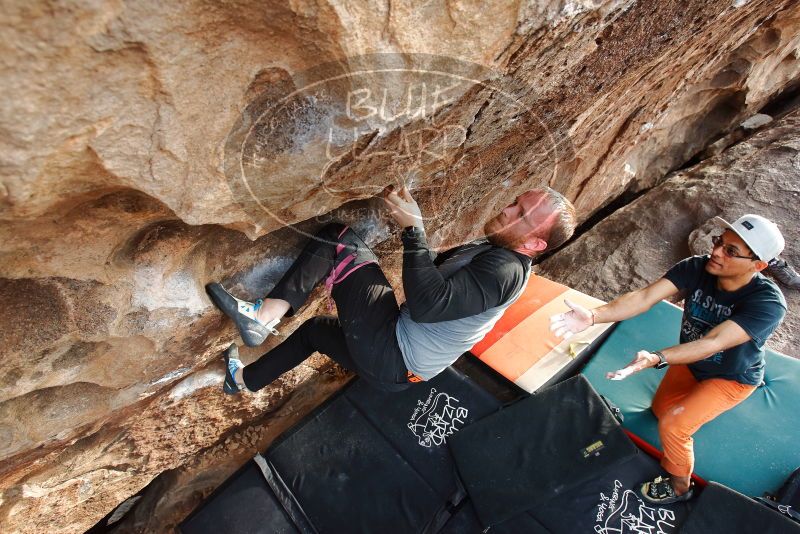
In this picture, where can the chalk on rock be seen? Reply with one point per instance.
(756, 121)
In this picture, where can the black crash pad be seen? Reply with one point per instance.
(537, 449)
(418, 421)
(606, 504)
(347, 477)
(721, 509)
(244, 504)
(370, 461)
(609, 503)
(465, 521)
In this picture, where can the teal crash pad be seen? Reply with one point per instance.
(751, 448)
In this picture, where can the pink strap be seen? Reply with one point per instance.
(335, 272)
(351, 271)
(338, 272)
(335, 278)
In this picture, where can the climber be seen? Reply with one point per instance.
(730, 310)
(451, 302)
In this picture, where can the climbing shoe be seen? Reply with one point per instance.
(784, 274)
(243, 315)
(232, 364)
(660, 491)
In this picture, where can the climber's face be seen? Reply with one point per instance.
(523, 225)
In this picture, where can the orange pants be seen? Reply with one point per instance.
(682, 405)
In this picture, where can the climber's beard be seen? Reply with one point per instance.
(502, 236)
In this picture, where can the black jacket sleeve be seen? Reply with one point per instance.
(491, 279)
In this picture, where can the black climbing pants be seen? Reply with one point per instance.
(361, 339)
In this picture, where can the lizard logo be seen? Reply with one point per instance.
(438, 417)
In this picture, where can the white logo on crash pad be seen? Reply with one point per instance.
(623, 512)
(436, 418)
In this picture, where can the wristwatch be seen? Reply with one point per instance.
(662, 360)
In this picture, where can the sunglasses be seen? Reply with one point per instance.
(729, 250)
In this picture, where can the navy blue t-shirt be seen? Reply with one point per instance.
(758, 307)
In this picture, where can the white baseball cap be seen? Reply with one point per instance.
(760, 234)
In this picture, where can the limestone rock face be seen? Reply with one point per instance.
(150, 148)
(638, 243)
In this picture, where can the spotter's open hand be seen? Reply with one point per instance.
(642, 360)
(577, 319)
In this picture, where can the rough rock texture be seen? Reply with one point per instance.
(139, 161)
(638, 243)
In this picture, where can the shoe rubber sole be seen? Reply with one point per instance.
(251, 331)
(666, 500)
